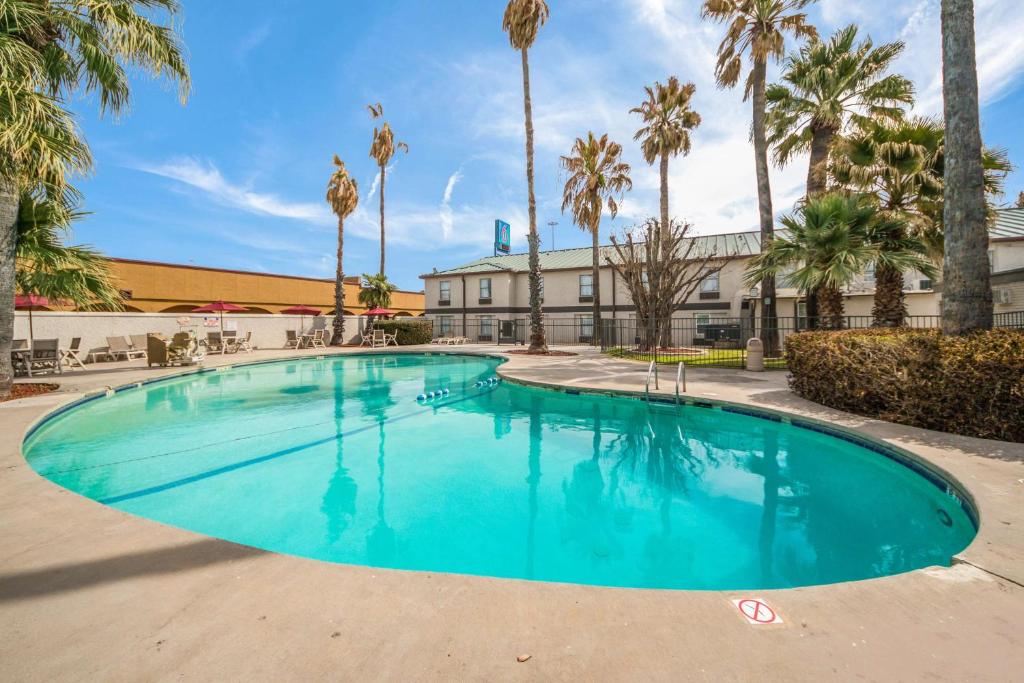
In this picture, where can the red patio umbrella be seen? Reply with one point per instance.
(219, 306)
(382, 312)
(302, 311)
(30, 302)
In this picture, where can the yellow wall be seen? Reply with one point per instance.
(158, 287)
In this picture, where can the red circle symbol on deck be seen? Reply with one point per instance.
(755, 610)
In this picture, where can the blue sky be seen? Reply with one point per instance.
(236, 177)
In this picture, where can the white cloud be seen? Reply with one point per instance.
(207, 177)
(446, 218)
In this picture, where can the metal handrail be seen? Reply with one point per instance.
(653, 367)
(680, 374)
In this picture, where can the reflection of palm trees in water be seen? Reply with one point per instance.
(339, 501)
(768, 467)
(533, 480)
(380, 543)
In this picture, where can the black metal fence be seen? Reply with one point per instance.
(707, 341)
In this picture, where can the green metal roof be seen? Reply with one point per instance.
(1009, 224)
(732, 244)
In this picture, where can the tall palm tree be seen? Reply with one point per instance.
(828, 242)
(596, 176)
(51, 51)
(757, 29)
(522, 20)
(827, 85)
(967, 288)
(901, 165)
(382, 150)
(669, 120)
(343, 196)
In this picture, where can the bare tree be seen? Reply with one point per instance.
(661, 269)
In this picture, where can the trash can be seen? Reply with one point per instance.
(755, 355)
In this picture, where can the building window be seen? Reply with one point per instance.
(587, 285)
(585, 323)
(486, 328)
(445, 297)
(709, 285)
(701, 322)
(445, 324)
(801, 315)
(924, 284)
(869, 274)
(485, 289)
(710, 282)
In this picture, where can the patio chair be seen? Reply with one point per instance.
(244, 343)
(19, 356)
(366, 338)
(291, 339)
(139, 343)
(317, 342)
(214, 343)
(181, 350)
(379, 339)
(70, 355)
(119, 346)
(44, 356)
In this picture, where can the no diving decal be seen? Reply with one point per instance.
(757, 612)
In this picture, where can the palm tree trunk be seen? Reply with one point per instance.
(967, 289)
(817, 169)
(596, 278)
(769, 317)
(537, 342)
(664, 195)
(382, 173)
(817, 183)
(830, 299)
(8, 246)
(890, 308)
(339, 291)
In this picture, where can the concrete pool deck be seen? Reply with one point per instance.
(87, 591)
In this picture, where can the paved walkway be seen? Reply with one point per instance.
(89, 592)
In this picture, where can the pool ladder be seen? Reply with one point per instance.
(652, 369)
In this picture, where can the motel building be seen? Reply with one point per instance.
(481, 299)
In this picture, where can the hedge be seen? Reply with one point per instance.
(971, 385)
(409, 332)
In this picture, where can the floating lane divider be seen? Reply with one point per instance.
(432, 395)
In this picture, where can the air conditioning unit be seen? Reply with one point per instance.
(1003, 296)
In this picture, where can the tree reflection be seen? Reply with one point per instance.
(339, 501)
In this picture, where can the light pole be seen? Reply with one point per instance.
(552, 224)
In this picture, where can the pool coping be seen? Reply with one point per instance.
(206, 620)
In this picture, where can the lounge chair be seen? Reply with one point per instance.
(317, 342)
(291, 339)
(70, 355)
(43, 357)
(119, 346)
(181, 350)
(139, 342)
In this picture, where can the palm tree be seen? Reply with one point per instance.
(522, 20)
(343, 196)
(901, 165)
(375, 291)
(758, 27)
(826, 86)
(382, 150)
(52, 50)
(45, 265)
(967, 288)
(669, 120)
(828, 242)
(597, 176)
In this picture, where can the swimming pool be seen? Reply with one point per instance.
(337, 459)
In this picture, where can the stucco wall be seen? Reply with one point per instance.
(268, 331)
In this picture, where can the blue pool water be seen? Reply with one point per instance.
(336, 459)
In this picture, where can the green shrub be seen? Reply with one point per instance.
(408, 331)
(972, 385)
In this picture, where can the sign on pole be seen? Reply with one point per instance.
(502, 237)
